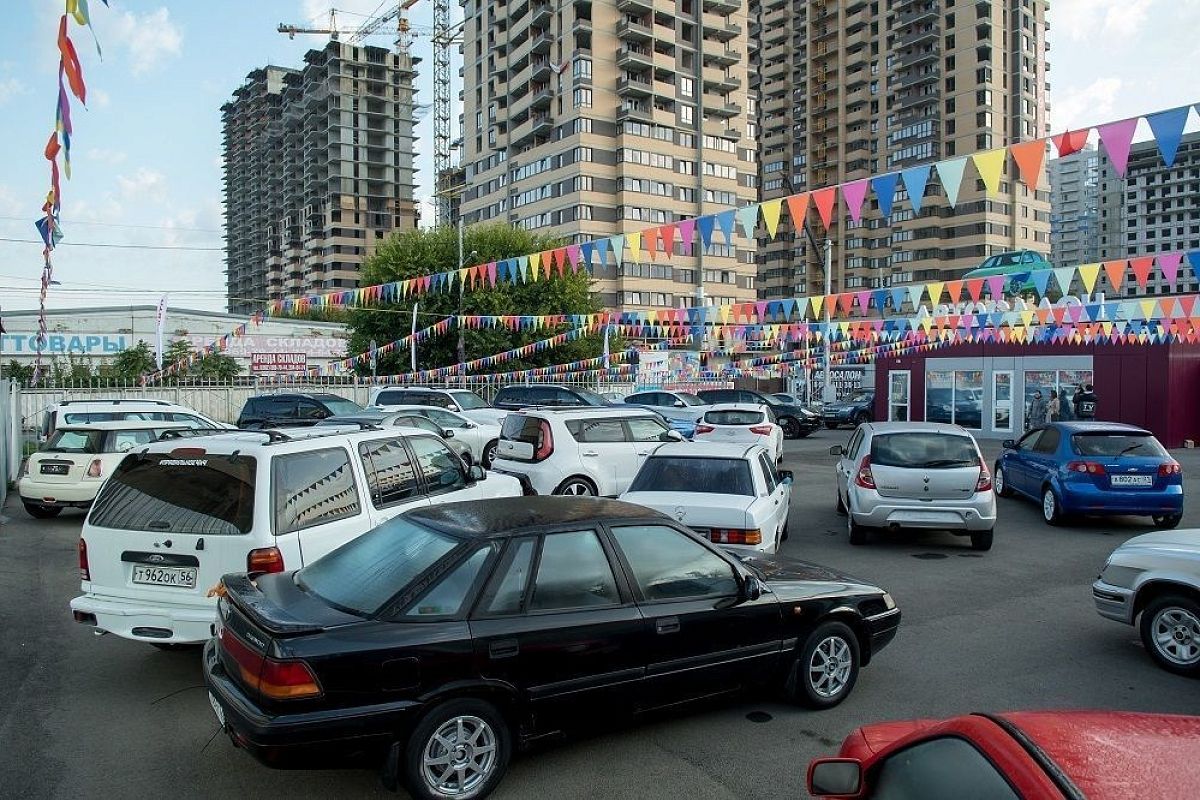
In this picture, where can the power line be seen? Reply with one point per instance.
(118, 246)
(72, 223)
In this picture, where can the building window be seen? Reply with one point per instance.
(687, 87)
(583, 98)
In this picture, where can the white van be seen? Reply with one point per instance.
(83, 412)
(177, 515)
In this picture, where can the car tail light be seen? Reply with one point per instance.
(735, 535)
(95, 469)
(85, 574)
(188, 452)
(1087, 468)
(761, 430)
(278, 680)
(1169, 468)
(984, 484)
(864, 477)
(264, 560)
(545, 442)
(702, 428)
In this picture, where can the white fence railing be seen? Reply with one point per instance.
(10, 436)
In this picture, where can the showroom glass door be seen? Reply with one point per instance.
(1002, 397)
(898, 386)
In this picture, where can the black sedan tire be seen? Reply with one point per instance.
(489, 454)
(1170, 628)
(791, 427)
(1167, 521)
(981, 540)
(831, 425)
(826, 666)
(42, 512)
(862, 418)
(460, 749)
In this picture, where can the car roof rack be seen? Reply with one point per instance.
(117, 401)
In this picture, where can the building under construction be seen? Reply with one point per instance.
(318, 170)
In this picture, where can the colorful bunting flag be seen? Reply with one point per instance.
(1167, 127)
(1117, 138)
(915, 180)
(824, 200)
(950, 173)
(1029, 157)
(853, 195)
(885, 191)
(990, 164)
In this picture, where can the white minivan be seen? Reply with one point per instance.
(177, 515)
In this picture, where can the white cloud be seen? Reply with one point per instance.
(10, 88)
(148, 39)
(145, 184)
(1084, 19)
(98, 98)
(1073, 108)
(10, 205)
(105, 156)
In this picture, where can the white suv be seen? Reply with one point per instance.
(177, 515)
(83, 412)
(579, 451)
(465, 402)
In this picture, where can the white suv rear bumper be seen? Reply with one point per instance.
(186, 624)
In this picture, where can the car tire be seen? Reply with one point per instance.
(791, 427)
(1051, 507)
(1000, 482)
(42, 512)
(981, 540)
(1167, 521)
(826, 666)
(1170, 628)
(577, 487)
(484, 754)
(861, 418)
(858, 534)
(489, 454)
(831, 425)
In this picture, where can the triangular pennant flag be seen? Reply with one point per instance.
(602, 251)
(617, 243)
(816, 301)
(770, 214)
(954, 289)
(797, 209)
(1070, 142)
(950, 173)
(990, 164)
(747, 216)
(1115, 272)
(1041, 280)
(1063, 277)
(880, 298)
(975, 289)
(1029, 157)
(935, 292)
(995, 286)
(705, 224)
(824, 200)
(885, 191)
(1088, 274)
(898, 295)
(634, 242)
(1167, 127)
(667, 239)
(914, 295)
(915, 179)
(687, 234)
(651, 241)
(1117, 137)
(1193, 258)
(725, 223)
(845, 302)
(1141, 269)
(853, 195)
(1168, 265)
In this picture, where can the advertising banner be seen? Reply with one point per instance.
(274, 363)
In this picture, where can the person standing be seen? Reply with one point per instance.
(1037, 411)
(1054, 407)
(1085, 402)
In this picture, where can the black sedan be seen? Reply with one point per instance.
(445, 638)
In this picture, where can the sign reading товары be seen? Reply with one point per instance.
(99, 345)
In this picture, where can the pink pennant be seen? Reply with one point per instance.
(1117, 137)
(573, 256)
(853, 194)
(1168, 265)
(995, 286)
(864, 301)
(687, 232)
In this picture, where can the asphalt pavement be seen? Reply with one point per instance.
(86, 716)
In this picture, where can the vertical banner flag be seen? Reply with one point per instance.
(160, 322)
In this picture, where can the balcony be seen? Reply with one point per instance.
(635, 6)
(538, 125)
(541, 14)
(906, 18)
(722, 58)
(635, 112)
(720, 81)
(914, 79)
(914, 100)
(540, 70)
(542, 42)
(542, 98)
(921, 55)
(581, 25)
(724, 31)
(915, 37)
(722, 6)
(634, 31)
(631, 86)
(636, 59)
(726, 109)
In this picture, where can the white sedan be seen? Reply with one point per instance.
(730, 493)
(741, 422)
(480, 437)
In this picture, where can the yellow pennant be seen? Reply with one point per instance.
(935, 292)
(990, 165)
(770, 214)
(1088, 274)
(634, 240)
(816, 301)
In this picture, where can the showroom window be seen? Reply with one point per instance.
(954, 396)
(1062, 381)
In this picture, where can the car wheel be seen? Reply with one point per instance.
(831, 425)
(1170, 630)
(791, 427)
(459, 750)
(1000, 482)
(578, 487)
(1051, 508)
(981, 540)
(858, 534)
(489, 454)
(861, 418)
(1167, 521)
(42, 512)
(826, 669)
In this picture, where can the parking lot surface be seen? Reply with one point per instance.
(1014, 628)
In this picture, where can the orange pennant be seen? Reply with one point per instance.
(1115, 272)
(1029, 157)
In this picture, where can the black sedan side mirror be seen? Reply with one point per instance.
(837, 450)
(751, 589)
(447, 433)
(837, 777)
(1009, 444)
(476, 473)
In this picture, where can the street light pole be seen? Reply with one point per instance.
(462, 347)
(412, 339)
(826, 390)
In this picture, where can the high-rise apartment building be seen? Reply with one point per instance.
(850, 89)
(1151, 210)
(1075, 208)
(592, 118)
(318, 169)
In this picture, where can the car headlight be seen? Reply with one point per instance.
(888, 601)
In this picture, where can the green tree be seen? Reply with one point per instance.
(210, 367)
(424, 252)
(132, 363)
(15, 371)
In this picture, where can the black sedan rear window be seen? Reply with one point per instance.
(690, 474)
(733, 417)
(923, 450)
(1116, 444)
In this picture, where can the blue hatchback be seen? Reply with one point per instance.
(1093, 468)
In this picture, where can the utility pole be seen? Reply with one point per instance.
(462, 347)
(827, 389)
(412, 339)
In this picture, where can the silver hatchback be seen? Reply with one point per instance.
(894, 475)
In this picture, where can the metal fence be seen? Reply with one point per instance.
(10, 436)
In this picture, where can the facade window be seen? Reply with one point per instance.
(583, 98)
(687, 87)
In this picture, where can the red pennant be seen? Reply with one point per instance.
(668, 240)
(1141, 269)
(1070, 142)
(845, 302)
(975, 289)
(70, 62)
(824, 200)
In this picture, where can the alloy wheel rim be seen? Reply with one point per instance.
(489, 455)
(577, 489)
(1048, 505)
(1176, 634)
(459, 757)
(829, 666)
(999, 481)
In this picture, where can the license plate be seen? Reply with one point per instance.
(216, 707)
(55, 469)
(1131, 480)
(183, 577)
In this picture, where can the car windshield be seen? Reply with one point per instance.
(208, 494)
(591, 398)
(923, 450)
(341, 407)
(1114, 444)
(69, 441)
(469, 400)
(364, 574)
(694, 474)
(689, 398)
(733, 417)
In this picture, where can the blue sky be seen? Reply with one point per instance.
(146, 152)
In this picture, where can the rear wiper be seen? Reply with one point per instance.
(1129, 449)
(947, 462)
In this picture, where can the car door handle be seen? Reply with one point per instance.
(667, 625)
(643, 452)
(591, 453)
(504, 648)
